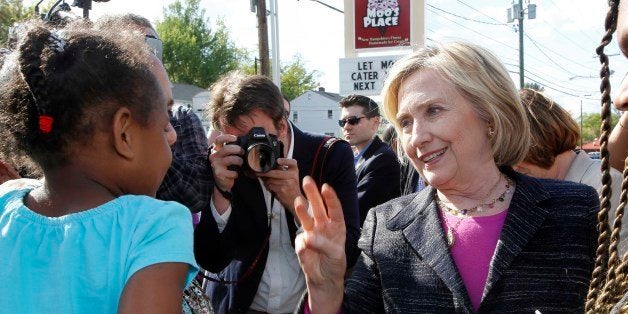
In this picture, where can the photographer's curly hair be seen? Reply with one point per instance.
(78, 78)
(609, 280)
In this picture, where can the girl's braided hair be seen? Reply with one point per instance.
(609, 281)
(58, 87)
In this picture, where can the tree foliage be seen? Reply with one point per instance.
(194, 53)
(297, 79)
(12, 11)
(591, 123)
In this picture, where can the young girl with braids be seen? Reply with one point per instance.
(608, 291)
(90, 108)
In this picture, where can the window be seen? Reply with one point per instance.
(295, 117)
(330, 114)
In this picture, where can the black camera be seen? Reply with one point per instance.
(261, 150)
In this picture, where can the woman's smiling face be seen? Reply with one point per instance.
(442, 134)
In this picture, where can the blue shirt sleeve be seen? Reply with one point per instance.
(165, 235)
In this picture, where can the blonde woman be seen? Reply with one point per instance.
(482, 237)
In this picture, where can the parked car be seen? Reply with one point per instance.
(594, 155)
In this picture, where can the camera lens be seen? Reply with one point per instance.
(260, 158)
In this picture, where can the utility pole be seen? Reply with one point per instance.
(274, 35)
(581, 123)
(262, 38)
(517, 12)
(520, 17)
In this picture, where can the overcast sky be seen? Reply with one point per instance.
(559, 44)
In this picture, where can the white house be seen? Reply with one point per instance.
(316, 112)
(199, 103)
(194, 97)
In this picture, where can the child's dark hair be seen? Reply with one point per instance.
(79, 78)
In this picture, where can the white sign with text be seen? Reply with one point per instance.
(364, 75)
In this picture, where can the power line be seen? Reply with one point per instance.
(547, 82)
(497, 41)
(462, 17)
(577, 24)
(490, 17)
(492, 39)
(560, 55)
(548, 57)
(554, 89)
(567, 37)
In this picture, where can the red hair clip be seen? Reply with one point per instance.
(45, 123)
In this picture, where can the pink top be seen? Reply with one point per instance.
(474, 245)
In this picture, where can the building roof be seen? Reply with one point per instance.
(185, 92)
(591, 146)
(333, 96)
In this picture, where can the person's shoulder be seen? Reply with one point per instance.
(557, 194)
(559, 187)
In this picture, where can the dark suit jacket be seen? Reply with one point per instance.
(409, 177)
(229, 254)
(543, 259)
(378, 177)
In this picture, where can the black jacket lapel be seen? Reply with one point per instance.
(522, 222)
(422, 228)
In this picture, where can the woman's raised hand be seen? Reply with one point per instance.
(321, 246)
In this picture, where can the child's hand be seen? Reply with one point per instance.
(7, 172)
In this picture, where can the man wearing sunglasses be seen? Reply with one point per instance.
(376, 165)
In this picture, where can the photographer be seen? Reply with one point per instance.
(246, 239)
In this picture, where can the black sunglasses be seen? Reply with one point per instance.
(351, 120)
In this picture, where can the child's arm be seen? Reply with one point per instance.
(157, 288)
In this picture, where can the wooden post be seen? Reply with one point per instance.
(262, 37)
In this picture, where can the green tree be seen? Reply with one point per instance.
(12, 11)
(193, 52)
(591, 123)
(296, 79)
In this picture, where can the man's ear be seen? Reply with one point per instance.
(377, 122)
(123, 128)
(283, 128)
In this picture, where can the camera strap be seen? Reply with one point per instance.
(317, 166)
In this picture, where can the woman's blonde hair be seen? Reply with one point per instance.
(479, 77)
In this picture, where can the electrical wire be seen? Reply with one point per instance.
(492, 18)
(462, 17)
(489, 38)
(555, 89)
(548, 57)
